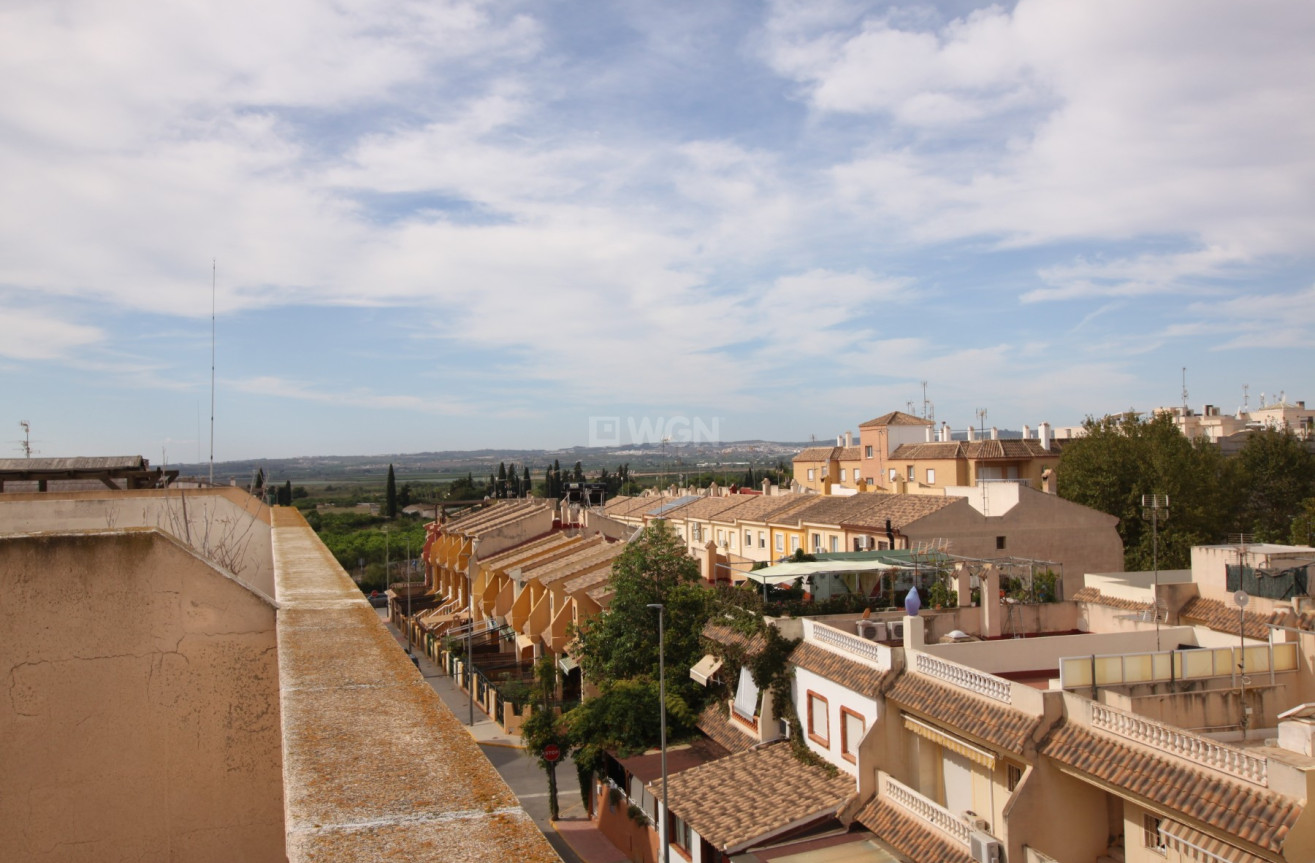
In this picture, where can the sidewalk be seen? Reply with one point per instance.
(574, 827)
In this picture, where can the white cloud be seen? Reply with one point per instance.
(34, 334)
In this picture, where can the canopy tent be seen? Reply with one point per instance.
(784, 573)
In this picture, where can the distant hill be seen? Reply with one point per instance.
(449, 463)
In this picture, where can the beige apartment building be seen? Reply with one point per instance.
(1112, 733)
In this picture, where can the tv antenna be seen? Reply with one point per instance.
(26, 443)
(213, 271)
(981, 420)
(1184, 390)
(928, 409)
(1245, 398)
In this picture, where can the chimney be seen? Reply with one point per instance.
(995, 433)
(945, 432)
(849, 438)
(1027, 432)
(840, 441)
(972, 433)
(767, 486)
(1043, 431)
(928, 430)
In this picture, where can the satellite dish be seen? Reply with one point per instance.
(1241, 598)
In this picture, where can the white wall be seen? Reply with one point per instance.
(836, 696)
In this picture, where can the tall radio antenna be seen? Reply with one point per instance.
(213, 270)
(1184, 390)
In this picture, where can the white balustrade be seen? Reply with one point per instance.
(1184, 744)
(850, 643)
(920, 807)
(966, 678)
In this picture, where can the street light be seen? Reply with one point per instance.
(470, 630)
(662, 699)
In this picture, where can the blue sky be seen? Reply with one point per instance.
(450, 225)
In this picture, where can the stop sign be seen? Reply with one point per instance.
(551, 752)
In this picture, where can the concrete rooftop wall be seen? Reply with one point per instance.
(375, 766)
(224, 525)
(141, 715)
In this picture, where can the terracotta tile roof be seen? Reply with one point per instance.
(977, 450)
(711, 797)
(965, 713)
(588, 559)
(724, 635)
(1093, 596)
(1221, 618)
(901, 509)
(849, 673)
(817, 453)
(1232, 807)
(790, 503)
(714, 722)
(896, 418)
(760, 507)
(588, 582)
(1188, 840)
(849, 453)
(707, 507)
(826, 509)
(909, 836)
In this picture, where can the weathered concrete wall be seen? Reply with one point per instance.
(141, 717)
(1041, 527)
(223, 525)
(375, 765)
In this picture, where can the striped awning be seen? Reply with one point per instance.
(975, 754)
(1195, 845)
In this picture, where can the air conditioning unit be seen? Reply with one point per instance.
(879, 631)
(862, 543)
(897, 630)
(976, 821)
(984, 848)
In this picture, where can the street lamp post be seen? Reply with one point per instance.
(662, 699)
(470, 630)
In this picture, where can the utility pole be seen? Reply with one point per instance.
(1155, 508)
(662, 699)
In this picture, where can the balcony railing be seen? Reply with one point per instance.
(966, 678)
(1184, 744)
(945, 821)
(852, 644)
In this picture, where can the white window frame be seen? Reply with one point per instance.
(812, 475)
(822, 739)
(931, 476)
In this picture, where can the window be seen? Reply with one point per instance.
(857, 475)
(780, 542)
(1013, 775)
(835, 543)
(1151, 836)
(893, 474)
(818, 730)
(696, 532)
(721, 538)
(844, 474)
(817, 541)
(811, 474)
(746, 695)
(794, 543)
(867, 452)
(999, 542)
(678, 830)
(762, 539)
(931, 476)
(910, 474)
(852, 726)
(748, 539)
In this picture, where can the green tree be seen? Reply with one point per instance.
(1303, 524)
(618, 649)
(578, 472)
(1276, 473)
(526, 485)
(285, 494)
(1122, 458)
(544, 726)
(390, 494)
